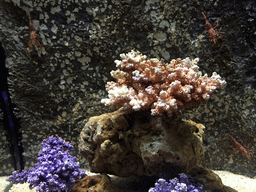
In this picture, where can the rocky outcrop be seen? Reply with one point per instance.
(96, 183)
(210, 180)
(140, 144)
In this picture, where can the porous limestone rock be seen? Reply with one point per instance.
(210, 180)
(139, 144)
(96, 183)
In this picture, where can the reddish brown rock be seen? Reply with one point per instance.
(96, 183)
(210, 180)
(140, 144)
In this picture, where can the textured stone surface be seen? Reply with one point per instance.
(56, 91)
(140, 144)
(96, 183)
(210, 180)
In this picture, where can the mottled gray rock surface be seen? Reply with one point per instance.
(57, 89)
(140, 144)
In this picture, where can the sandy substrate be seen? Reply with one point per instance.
(237, 182)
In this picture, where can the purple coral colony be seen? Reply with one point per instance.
(176, 185)
(141, 84)
(56, 170)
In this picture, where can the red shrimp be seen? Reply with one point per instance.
(213, 33)
(33, 35)
(240, 147)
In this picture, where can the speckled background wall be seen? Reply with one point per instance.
(57, 89)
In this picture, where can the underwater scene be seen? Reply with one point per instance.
(128, 96)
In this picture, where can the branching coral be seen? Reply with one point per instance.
(56, 170)
(150, 84)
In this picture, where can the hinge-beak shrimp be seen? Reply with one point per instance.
(33, 35)
(213, 33)
(240, 147)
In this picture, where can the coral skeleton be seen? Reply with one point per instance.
(150, 84)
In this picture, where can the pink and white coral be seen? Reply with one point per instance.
(150, 84)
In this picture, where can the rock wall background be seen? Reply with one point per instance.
(58, 89)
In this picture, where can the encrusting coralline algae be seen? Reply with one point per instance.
(150, 84)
